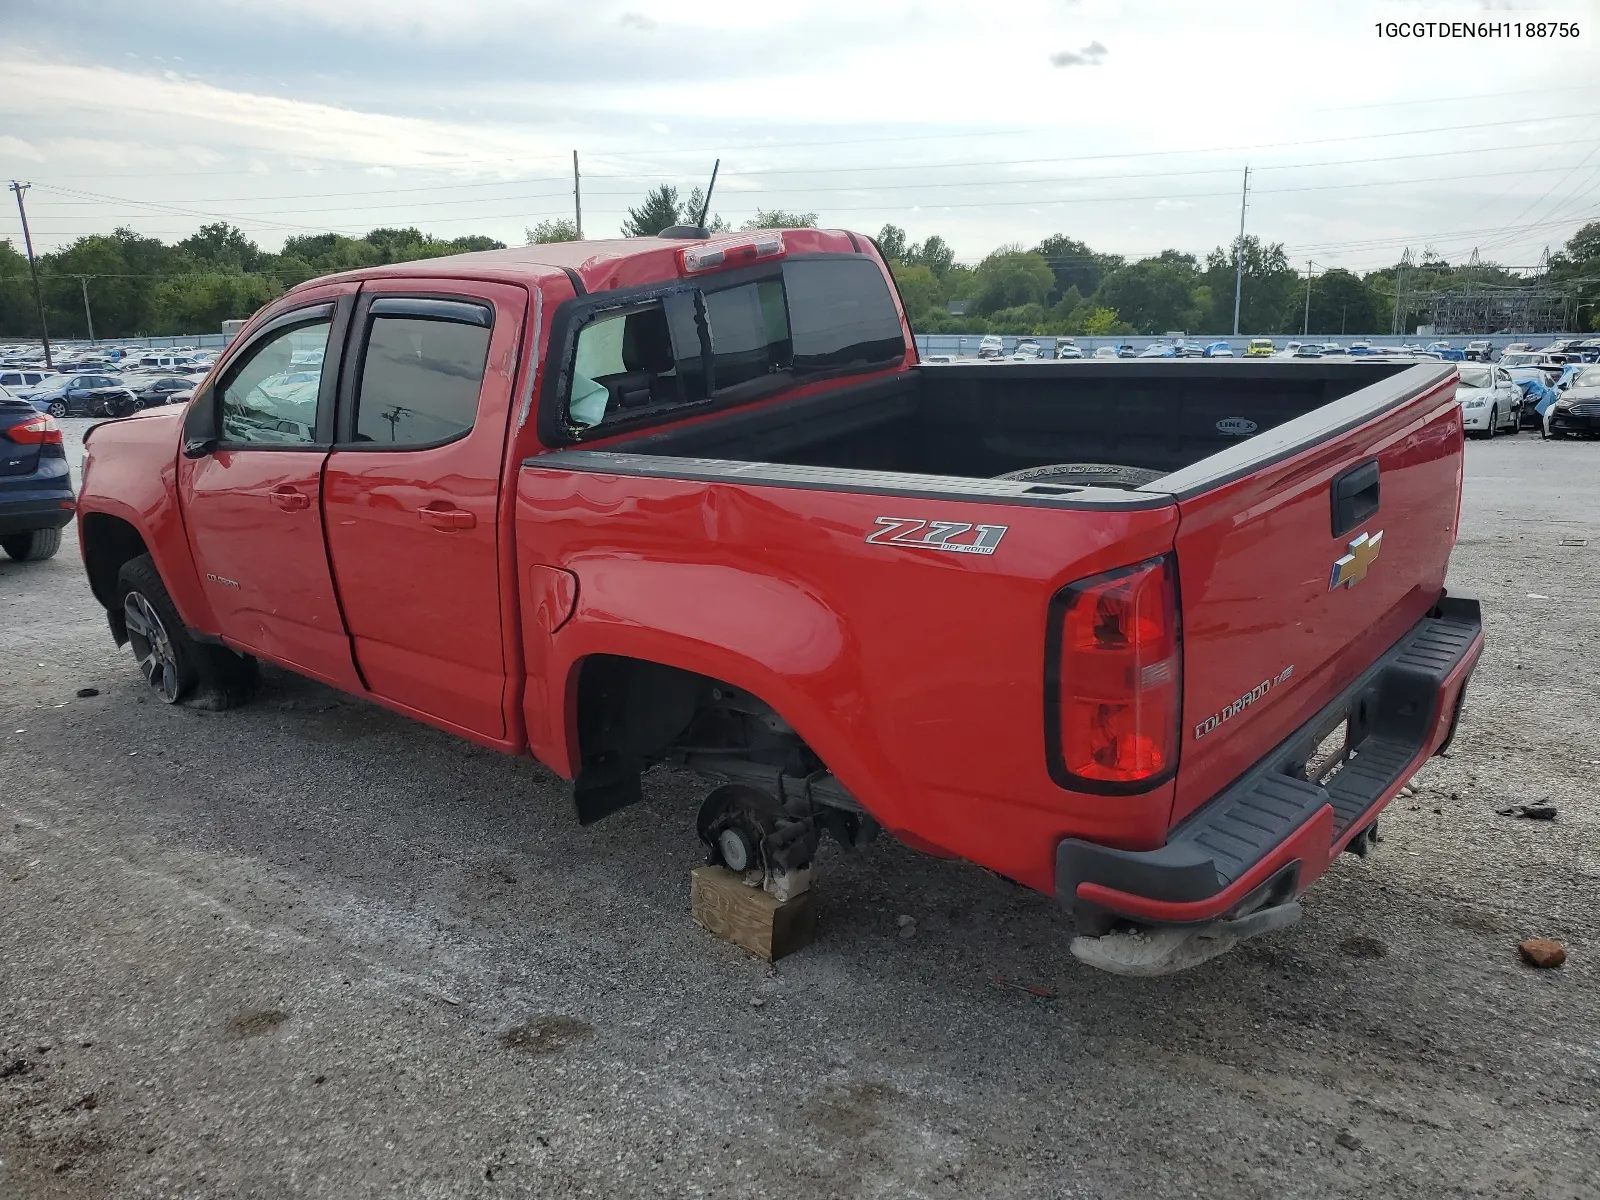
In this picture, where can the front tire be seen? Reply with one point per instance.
(57, 408)
(34, 546)
(175, 666)
(1494, 422)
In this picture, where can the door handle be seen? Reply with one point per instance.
(444, 518)
(289, 499)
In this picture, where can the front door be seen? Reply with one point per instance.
(253, 505)
(411, 495)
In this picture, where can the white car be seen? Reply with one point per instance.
(1069, 349)
(1100, 352)
(1027, 350)
(991, 347)
(1490, 401)
(24, 383)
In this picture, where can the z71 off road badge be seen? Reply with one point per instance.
(1352, 568)
(955, 536)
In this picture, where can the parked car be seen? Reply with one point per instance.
(555, 594)
(155, 392)
(1489, 401)
(991, 347)
(1479, 352)
(1578, 410)
(1067, 348)
(1446, 351)
(1159, 350)
(1533, 358)
(83, 396)
(23, 384)
(1219, 350)
(1260, 348)
(1291, 348)
(35, 483)
(1308, 350)
(1105, 352)
(1537, 395)
(1027, 350)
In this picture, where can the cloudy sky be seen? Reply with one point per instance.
(1125, 123)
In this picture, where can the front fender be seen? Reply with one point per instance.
(130, 472)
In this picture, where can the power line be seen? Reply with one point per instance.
(446, 164)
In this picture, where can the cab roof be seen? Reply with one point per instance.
(599, 265)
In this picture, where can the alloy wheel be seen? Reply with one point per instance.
(152, 647)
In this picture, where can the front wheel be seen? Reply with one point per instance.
(1494, 422)
(164, 651)
(57, 408)
(175, 666)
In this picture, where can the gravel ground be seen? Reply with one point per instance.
(311, 948)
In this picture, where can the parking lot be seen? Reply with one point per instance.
(312, 948)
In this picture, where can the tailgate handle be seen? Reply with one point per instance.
(1355, 497)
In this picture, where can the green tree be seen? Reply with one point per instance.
(200, 303)
(1010, 278)
(1153, 296)
(222, 245)
(919, 290)
(778, 218)
(689, 213)
(1269, 285)
(935, 254)
(1340, 302)
(892, 243)
(658, 211)
(1105, 322)
(561, 229)
(1075, 265)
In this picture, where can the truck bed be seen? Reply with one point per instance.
(982, 421)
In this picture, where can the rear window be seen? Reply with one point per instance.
(809, 317)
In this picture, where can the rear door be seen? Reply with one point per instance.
(1300, 572)
(252, 505)
(412, 494)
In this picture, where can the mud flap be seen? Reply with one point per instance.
(1166, 950)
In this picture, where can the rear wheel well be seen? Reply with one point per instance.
(108, 542)
(633, 713)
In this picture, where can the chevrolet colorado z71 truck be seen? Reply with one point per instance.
(1158, 638)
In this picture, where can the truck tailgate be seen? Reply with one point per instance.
(1283, 605)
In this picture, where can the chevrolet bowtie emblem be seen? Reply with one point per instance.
(1352, 568)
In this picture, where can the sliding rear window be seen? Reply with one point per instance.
(841, 315)
(716, 341)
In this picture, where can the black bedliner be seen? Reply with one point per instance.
(950, 430)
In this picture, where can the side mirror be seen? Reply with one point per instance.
(201, 427)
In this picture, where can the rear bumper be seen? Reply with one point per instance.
(36, 511)
(1272, 832)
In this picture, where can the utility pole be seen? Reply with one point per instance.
(87, 315)
(33, 270)
(577, 196)
(1306, 328)
(1238, 253)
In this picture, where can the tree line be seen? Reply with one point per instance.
(141, 285)
(1061, 286)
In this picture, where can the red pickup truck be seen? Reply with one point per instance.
(1158, 638)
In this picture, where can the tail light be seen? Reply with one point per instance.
(715, 256)
(35, 431)
(1113, 679)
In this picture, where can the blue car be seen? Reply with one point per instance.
(35, 484)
